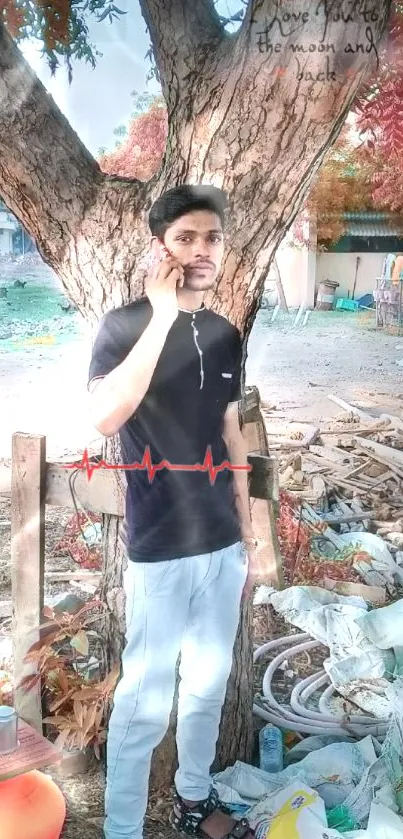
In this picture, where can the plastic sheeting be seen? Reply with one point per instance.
(340, 773)
(334, 621)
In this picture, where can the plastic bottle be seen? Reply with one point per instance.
(8, 730)
(271, 749)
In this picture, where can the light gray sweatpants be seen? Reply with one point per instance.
(189, 606)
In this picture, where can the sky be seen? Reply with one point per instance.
(98, 100)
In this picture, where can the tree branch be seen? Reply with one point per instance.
(81, 219)
(43, 164)
(184, 33)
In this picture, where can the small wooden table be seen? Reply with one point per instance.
(34, 752)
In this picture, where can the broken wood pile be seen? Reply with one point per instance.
(343, 478)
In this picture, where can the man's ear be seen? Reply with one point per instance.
(157, 247)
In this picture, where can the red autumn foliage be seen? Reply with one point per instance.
(365, 174)
(379, 110)
(140, 154)
(343, 185)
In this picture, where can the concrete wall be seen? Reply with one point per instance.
(341, 267)
(293, 265)
(302, 270)
(297, 268)
(6, 241)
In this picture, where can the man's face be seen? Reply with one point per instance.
(196, 240)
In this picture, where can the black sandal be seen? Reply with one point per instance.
(188, 820)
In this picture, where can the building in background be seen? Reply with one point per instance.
(354, 263)
(8, 226)
(14, 240)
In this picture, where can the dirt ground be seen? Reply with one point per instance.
(340, 353)
(43, 391)
(44, 387)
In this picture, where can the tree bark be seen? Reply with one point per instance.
(253, 113)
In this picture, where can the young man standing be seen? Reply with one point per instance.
(165, 375)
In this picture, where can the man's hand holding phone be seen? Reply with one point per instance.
(164, 278)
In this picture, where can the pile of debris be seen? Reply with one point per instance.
(340, 529)
(341, 504)
(347, 716)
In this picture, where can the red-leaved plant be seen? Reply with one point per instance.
(77, 705)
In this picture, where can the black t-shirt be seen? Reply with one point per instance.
(176, 513)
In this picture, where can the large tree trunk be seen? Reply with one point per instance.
(253, 113)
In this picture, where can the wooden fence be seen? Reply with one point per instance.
(33, 483)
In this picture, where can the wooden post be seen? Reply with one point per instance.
(27, 562)
(263, 489)
(280, 287)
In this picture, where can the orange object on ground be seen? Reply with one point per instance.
(397, 269)
(31, 807)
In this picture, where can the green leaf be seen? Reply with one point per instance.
(80, 642)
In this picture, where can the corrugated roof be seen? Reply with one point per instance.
(367, 215)
(368, 229)
(367, 224)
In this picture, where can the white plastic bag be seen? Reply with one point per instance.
(384, 627)
(332, 619)
(296, 812)
(335, 772)
(382, 564)
(383, 824)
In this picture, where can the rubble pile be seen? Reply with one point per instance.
(340, 529)
(341, 505)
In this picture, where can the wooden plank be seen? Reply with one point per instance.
(262, 482)
(393, 458)
(27, 562)
(66, 576)
(333, 454)
(351, 517)
(99, 494)
(251, 404)
(252, 436)
(280, 287)
(351, 409)
(340, 482)
(102, 493)
(323, 461)
(311, 434)
(372, 594)
(264, 488)
(252, 415)
(386, 476)
(361, 430)
(395, 421)
(356, 472)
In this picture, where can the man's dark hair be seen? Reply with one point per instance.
(180, 200)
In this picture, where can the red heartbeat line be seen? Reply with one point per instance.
(152, 469)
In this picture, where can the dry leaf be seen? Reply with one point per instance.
(78, 711)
